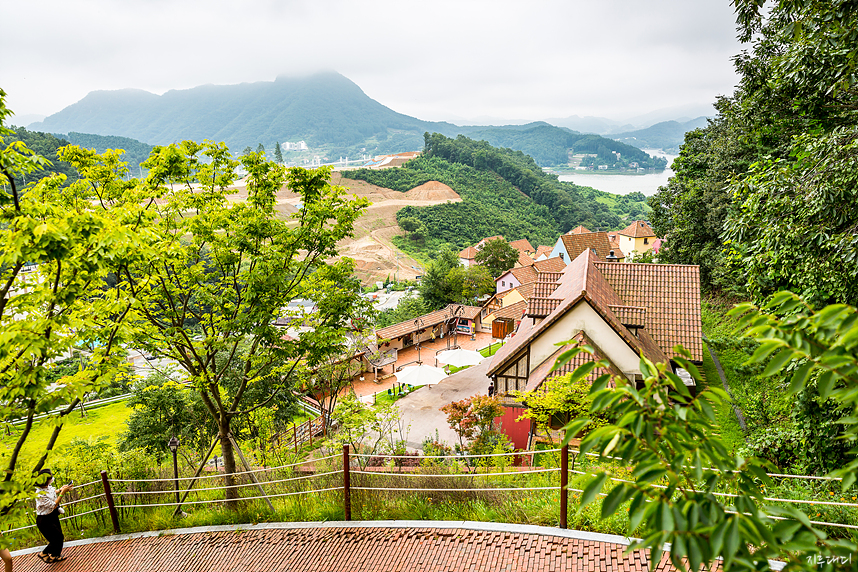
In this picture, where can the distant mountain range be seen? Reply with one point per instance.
(667, 135)
(326, 110)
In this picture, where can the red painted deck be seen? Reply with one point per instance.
(345, 549)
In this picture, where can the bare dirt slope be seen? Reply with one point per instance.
(371, 248)
(374, 254)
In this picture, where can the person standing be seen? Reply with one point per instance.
(48, 516)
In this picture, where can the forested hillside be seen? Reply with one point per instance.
(45, 145)
(503, 192)
(550, 146)
(321, 109)
(135, 151)
(765, 198)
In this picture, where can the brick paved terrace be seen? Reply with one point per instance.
(349, 547)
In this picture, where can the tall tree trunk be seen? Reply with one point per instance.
(228, 464)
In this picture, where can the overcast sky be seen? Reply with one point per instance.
(431, 59)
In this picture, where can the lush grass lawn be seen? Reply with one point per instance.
(491, 350)
(107, 421)
(385, 398)
(718, 326)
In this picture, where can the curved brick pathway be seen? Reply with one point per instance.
(335, 547)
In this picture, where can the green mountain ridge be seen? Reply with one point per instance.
(667, 135)
(326, 110)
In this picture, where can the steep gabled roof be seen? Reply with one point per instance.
(580, 229)
(521, 245)
(525, 290)
(577, 243)
(581, 282)
(543, 371)
(638, 229)
(524, 274)
(671, 295)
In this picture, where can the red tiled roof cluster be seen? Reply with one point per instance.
(542, 249)
(664, 299)
(514, 311)
(522, 245)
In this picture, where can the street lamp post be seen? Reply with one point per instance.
(456, 311)
(418, 323)
(173, 444)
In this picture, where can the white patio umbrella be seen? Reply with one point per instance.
(460, 357)
(420, 375)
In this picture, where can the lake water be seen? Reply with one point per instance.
(624, 184)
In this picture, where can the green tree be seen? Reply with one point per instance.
(409, 307)
(223, 272)
(409, 224)
(794, 225)
(434, 286)
(473, 420)
(260, 149)
(467, 285)
(58, 245)
(369, 430)
(278, 154)
(497, 256)
(163, 408)
(558, 401)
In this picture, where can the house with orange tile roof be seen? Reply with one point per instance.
(624, 311)
(522, 245)
(569, 246)
(515, 277)
(468, 256)
(580, 229)
(637, 238)
(508, 305)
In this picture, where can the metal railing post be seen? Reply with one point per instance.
(564, 483)
(347, 493)
(108, 494)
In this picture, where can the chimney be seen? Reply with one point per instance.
(611, 257)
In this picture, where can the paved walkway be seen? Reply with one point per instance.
(421, 410)
(348, 547)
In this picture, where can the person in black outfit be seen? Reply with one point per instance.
(48, 516)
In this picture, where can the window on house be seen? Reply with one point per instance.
(646, 240)
(561, 256)
(503, 283)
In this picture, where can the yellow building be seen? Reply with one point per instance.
(636, 239)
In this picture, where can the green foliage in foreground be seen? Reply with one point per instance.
(665, 436)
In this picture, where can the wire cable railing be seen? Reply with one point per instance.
(337, 479)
